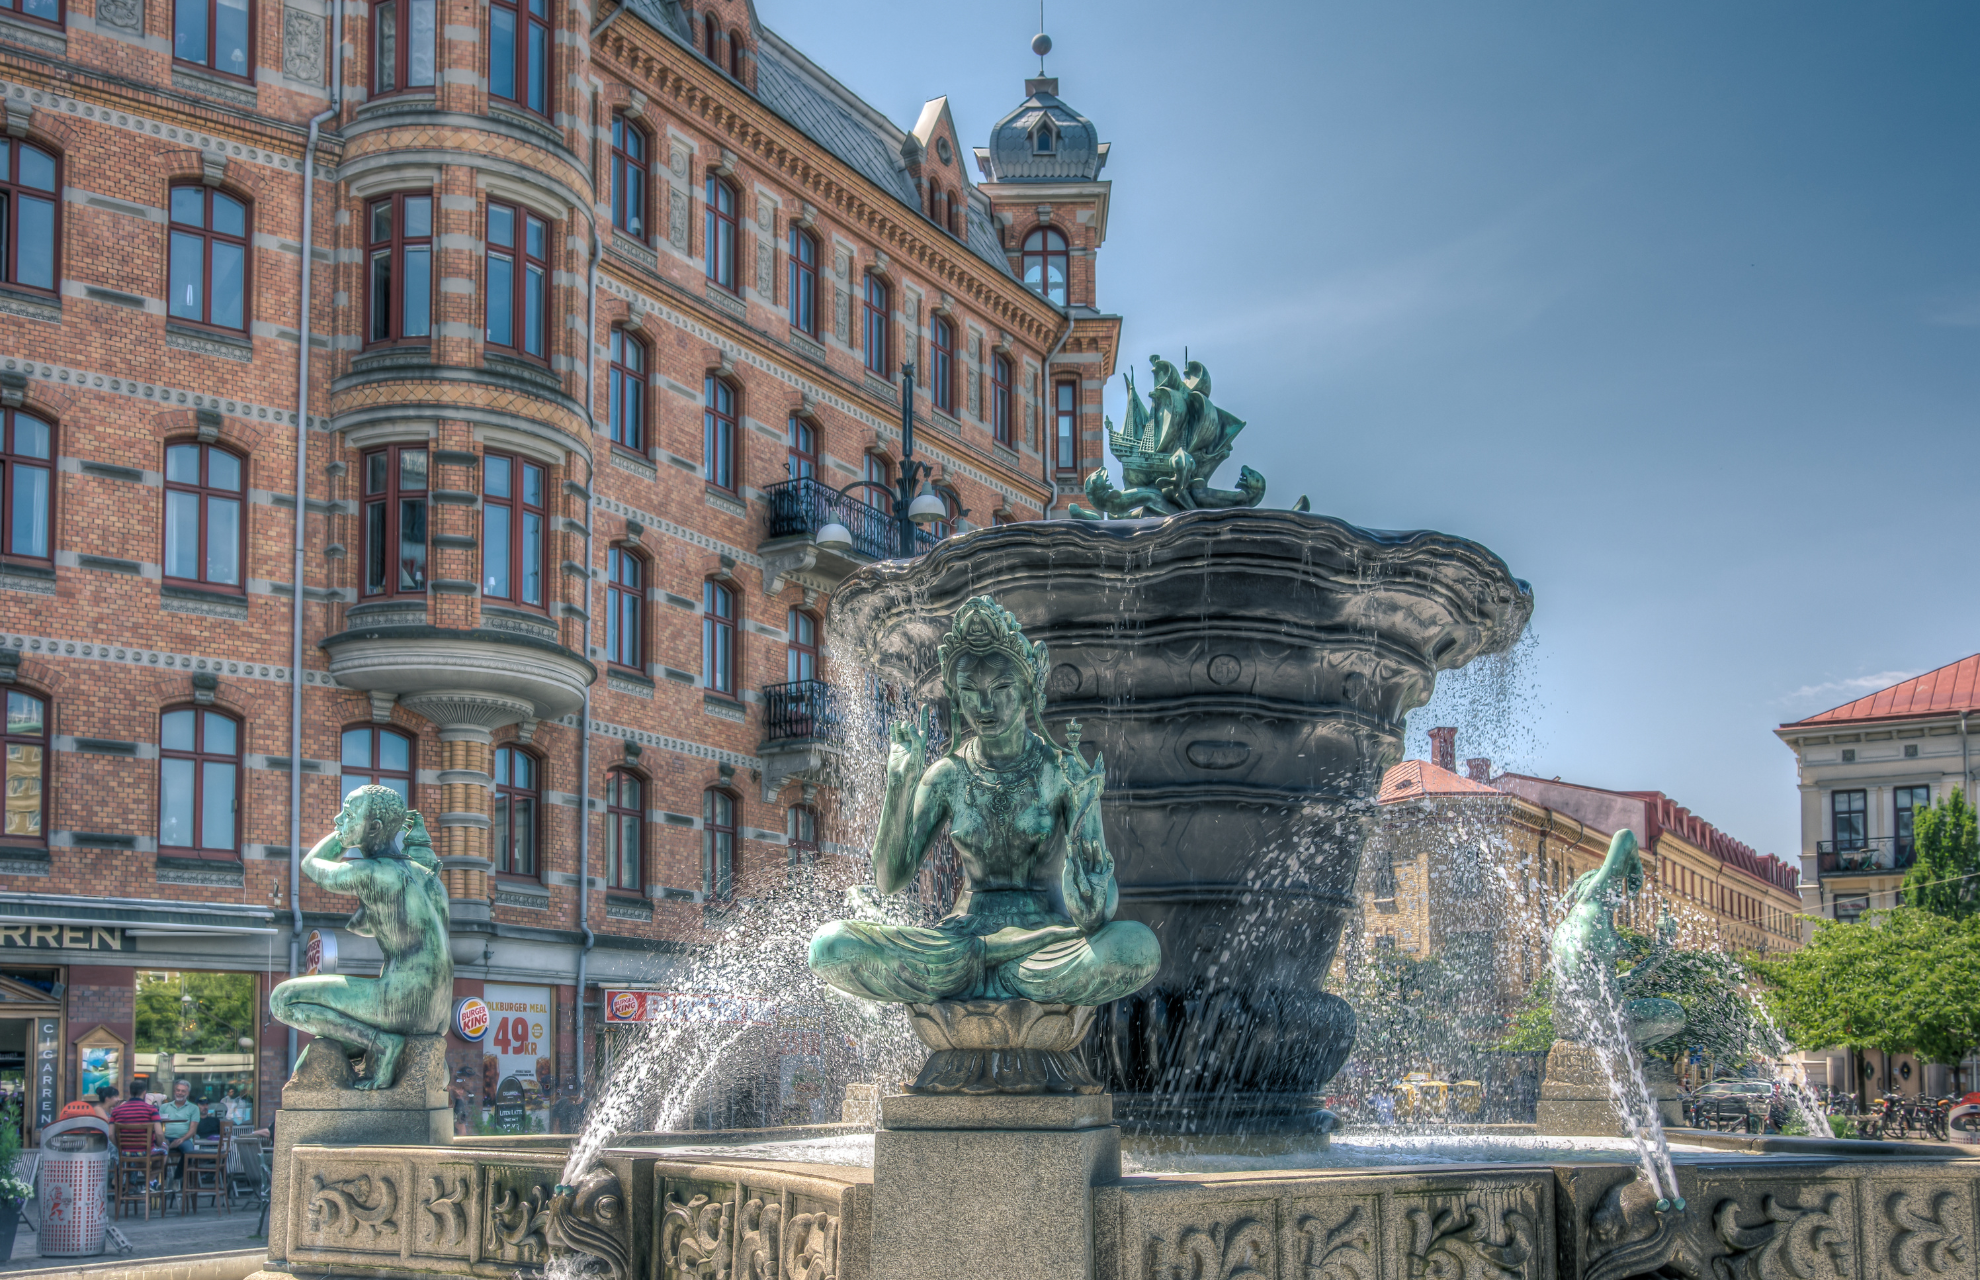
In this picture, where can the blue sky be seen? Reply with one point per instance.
(1676, 307)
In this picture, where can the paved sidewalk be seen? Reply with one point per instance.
(166, 1235)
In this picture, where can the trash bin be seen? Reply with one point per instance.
(74, 1186)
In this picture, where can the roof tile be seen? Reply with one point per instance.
(1950, 689)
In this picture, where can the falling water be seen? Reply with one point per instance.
(1793, 1076)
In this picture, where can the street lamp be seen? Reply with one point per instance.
(909, 508)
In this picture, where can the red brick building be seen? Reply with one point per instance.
(607, 315)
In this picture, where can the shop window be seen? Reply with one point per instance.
(625, 605)
(801, 830)
(208, 276)
(512, 520)
(876, 307)
(625, 830)
(519, 53)
(719, 229)
(518, 278)
(1000, 400)
(26, 458)
(203, 491)
(28, 225)
(801, 651)
(1065, 414)
(627, 380)
(942, 365)
(631, 179)
(718, 844)
(718, 638)
(719, 433)
(804, 281)
(1045, 264)
(213, 34)
(518, 801)
(375, 756)
(203, 1029)
(199, 767)
(395, 521)
(27, 768)
(401, 58)
(401, 273)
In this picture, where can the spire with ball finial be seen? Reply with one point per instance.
(1041, 44)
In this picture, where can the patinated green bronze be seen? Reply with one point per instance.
(1584, 956)
(1034, 917)
(381, 853)
(1171, 448)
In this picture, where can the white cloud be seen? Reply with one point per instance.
(1849, 690)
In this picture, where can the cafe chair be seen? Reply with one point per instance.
(250, 1177)
(204, 1173)
(140, 1171)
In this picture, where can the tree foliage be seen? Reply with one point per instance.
(221, 1011)
(1945, 879)
(1907, 979)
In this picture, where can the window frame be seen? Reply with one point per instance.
(625, 600)
(710, 37)
(205, 492)
(800, 463)
(942, 365)
(721, 434)
(8, 741)
(720, 636)
(800, 850)
(1065, 424)
(11, 463)
(390, 498)
(402, 48)
(1044, 256)
(59, 21)
(624, 163)
(738, 54)
(208, 237)
(375, 771)
(721, 233)
(527, 25)
(800, 654)
(876, 325)
(1000, 399)
(626, 385)
(1905, 841)
(212, 36)
(617, 812)
(1859, 811)
(200, 758)
(523, 265)
(12, 191)
(803, 285)
(519, 509)
(718, 874)
(396, 246)
(501, 792)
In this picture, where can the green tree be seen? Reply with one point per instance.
(220, 1011)
(1945, 879)
(1907, 979)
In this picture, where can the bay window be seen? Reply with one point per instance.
(402, 34)
(395, 521)
(518, 278)
(512, 522)
(519, 53)
(401, 273)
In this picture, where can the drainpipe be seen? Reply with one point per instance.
(584, 725)
(1965, 759)
(302, 511)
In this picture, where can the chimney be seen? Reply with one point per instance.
(1479, 769)
(1443, 748)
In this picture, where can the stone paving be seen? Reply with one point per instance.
(165, 1235)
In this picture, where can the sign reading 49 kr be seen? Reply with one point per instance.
(64, 937)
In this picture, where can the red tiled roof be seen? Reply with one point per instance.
(1413, 778)
(1950, 689)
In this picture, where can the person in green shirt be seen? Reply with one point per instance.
(181, 1115)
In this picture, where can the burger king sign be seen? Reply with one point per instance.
(471, 1018)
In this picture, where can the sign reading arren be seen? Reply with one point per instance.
(65, 937)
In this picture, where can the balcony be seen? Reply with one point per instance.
(1876, 855)
(799, 509)
(803, 733)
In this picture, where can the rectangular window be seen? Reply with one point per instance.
(198, 773)
(718, 638)
(213, 34)
(395, 521)
(512, 517)
(208, 271)
(203, 491)
(625, 601)
(804, 281)
(719, 232)
(518, 270)
(40, 10)
(519, 53)
(718, 848)
(401, 60)
(718, 455)
(1000, 399)
(627, 381)
(1065, 412)
(1848, 811)
(401, 275)
(876, 307)
(942, 366)
(629, 177)
(24, 488)
(625, 819)
(1909, 801)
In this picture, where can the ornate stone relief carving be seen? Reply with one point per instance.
(1340, 1252)
(697, 1238)
(302, 45)
(811, 1247)
(1461, 1245)
(757, 1256)
(447, 1212)
(1790, 1243)
(841, 314)
(518, 1223)
(362, 1207)
(125, 15)
(1928, 1242)
(1220, 1252)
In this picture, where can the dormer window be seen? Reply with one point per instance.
(1045, 141)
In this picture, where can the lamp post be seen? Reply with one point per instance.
(909, 510)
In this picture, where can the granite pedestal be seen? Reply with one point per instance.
(1575, 1099)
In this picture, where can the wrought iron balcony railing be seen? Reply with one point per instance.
(804, 506)
(801, 709)
(1869, 855)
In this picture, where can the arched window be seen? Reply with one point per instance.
(518, 799)
(801, 830)
(1065, 413)
(400, 277)
(719, 438)
(26, 737)
(628, 391)
(625, 606)
(519, 53)
(1000, 399)
(878, 308)
(395, 521)
(512, 527)
(719, 224)
(213, 34)
(801, 660)
(203, 491)
(804, 281)
(28, 186)
(801, 456)
(518, 278)
(199, 768)
(625, 830)
(27, 453)
(401, 59)
(718, 638)
(1046, 264)
(208, 275)
(718, 844)
(942, 365)
(630, 178)
(376, 756)
(737, 52)
(710, 38)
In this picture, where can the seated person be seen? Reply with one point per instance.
(181, 1117)
(136, 1110)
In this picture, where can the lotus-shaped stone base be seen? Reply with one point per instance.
(1002, 1046)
